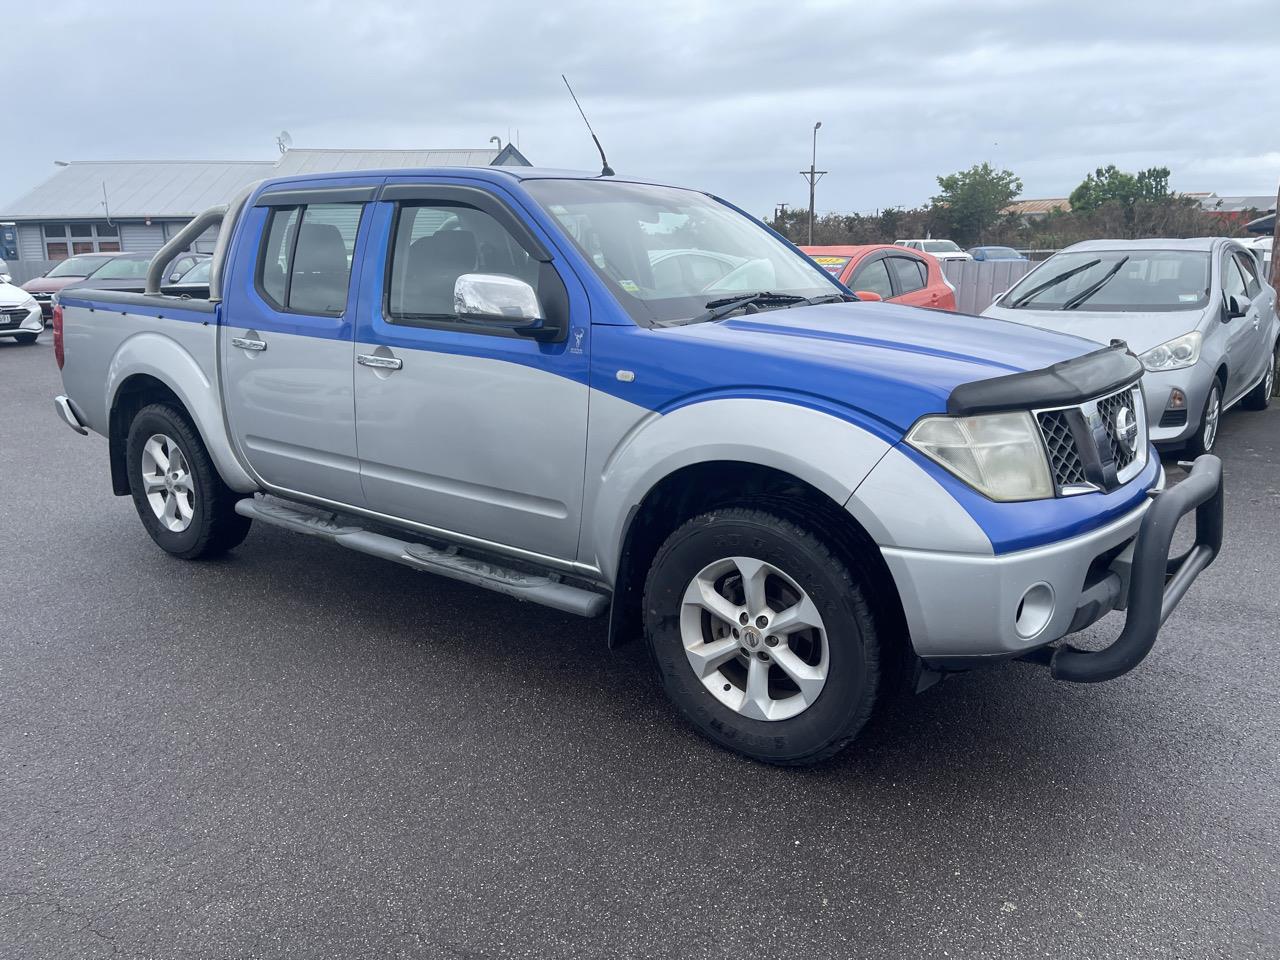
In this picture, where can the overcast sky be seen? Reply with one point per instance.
(722, 96)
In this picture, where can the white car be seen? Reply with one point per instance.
(939, 249)
(19, 314)
(4, 272)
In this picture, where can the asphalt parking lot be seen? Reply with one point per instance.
(302, 752)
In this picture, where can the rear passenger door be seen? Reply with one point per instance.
(910, 281)
(470, 429)
(287, 340)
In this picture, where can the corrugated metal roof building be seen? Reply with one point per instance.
(97, 206)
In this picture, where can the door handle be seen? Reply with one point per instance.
(244, 343)
(382, 363)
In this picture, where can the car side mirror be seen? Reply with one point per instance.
(867, 295)
(979, 255)
(496, 300)
(1237, 306)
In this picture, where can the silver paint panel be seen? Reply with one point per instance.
(964, 605)
(488, 448)
(291, 409)
(631, 448)
(104, 348)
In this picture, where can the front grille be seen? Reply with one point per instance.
(1107, 409)
(1084, 445)
(1064, 455)
(42, 296)
(11, 318)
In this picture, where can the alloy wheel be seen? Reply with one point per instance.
(754, 638)
(167, 481)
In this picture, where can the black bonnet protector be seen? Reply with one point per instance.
(1064, 384)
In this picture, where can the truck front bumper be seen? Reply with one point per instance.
(964, 610)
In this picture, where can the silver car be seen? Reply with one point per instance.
(1197, 312)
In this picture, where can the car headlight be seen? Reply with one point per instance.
(1176, 354)
(998, 454)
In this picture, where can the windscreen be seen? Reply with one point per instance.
(123, 268)
(76, 267)
(1116, 281)
(666, 253)
(940, 246)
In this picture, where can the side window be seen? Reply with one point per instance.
(435, 243)
(305, 262)
(1232, 282)
(908, 272)
(874, 278)
(1252, 286)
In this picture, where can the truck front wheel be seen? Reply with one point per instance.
(183, 503)
(762, 636)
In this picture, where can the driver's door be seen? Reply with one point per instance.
(469, 429)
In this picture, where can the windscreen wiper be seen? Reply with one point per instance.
(1089, 291)
(1053, 282)
(717, 309)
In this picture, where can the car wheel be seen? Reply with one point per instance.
(762, 636)
(1207, 435)
(183, 503)
(27, 338)
(1260, 396)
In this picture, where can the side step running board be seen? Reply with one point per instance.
(537, 588)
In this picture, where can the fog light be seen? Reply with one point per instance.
(1177, 400)
(1035, 610)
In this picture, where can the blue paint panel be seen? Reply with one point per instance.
(160, 313)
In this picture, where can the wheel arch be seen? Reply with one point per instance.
(707, 485)
(150, 368)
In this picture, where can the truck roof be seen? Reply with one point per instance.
(492, 174)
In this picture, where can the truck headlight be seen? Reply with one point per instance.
(1175, 354)
(998, 454)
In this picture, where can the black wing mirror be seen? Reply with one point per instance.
(1237, 306)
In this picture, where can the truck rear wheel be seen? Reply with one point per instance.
(762, 636)
(183, 503)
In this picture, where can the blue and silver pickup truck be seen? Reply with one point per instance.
(618, 398)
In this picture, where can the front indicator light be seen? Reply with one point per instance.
(999, 454)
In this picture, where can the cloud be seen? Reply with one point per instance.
(717, 95)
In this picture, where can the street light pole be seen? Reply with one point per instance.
(813, 175)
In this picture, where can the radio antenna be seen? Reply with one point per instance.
(605, 169)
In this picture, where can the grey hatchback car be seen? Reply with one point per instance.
(1196, 312)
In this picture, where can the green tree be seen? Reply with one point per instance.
(971, 202)
(1111, 185)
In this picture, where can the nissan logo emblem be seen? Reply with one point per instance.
(1126, 428)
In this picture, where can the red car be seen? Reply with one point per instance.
(890, 272)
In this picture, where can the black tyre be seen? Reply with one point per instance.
(1260, 396)
(762, 636)
(183, 503)
(1206, 436)
(26, 338)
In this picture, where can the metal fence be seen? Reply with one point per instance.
(24, 270)
(978, 282)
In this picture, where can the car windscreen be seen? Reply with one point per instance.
(76, 267)
(940, 246)
(667, 253)
(1115, 281)
(199, 273)
(123, 268)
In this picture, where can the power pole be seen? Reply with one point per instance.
(813, 175)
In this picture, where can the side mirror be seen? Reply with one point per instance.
(979, 255)
(1237, 307)
(867, 295)
(496, 300)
